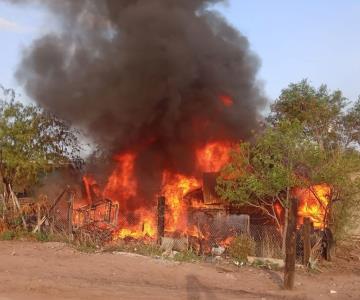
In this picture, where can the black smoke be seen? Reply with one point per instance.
(145, 75)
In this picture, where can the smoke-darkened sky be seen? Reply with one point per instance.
(148, 76)
(132, 71)
(280, 33)
(159, 78)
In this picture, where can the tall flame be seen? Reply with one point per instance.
(175, 187)
(122, 183)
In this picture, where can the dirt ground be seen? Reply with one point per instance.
(30, 270)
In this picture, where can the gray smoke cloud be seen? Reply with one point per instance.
(145, 75)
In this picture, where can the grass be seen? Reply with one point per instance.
(86, 248)
(265, 265)
(146, 249)
(152, 250)
(9, 235)
(187, 256)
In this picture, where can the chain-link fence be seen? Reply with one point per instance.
(202, 229)
(268, 241)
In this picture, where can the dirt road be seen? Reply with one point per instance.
(56, 271)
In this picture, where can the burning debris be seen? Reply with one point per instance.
(141, 222)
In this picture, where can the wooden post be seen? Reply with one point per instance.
(17, 206)
(306, 241)
(161, 218)
(70, 213)
(290, 248)
(38, 216)
(4, 208)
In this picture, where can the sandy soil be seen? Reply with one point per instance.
(55, 271)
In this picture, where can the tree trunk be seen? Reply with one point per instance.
(286, 221)
(290, 255)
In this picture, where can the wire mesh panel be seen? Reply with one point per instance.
(59, 216)
(268, 241)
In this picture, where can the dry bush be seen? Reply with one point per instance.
(241, 247)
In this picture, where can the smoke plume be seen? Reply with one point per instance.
(155, 76)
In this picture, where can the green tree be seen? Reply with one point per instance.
(333, 123)
(33, 142)
(262, 174)
(312, 138)
(340, 169)
(320, 111)
(350, 126)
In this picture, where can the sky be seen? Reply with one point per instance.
(314, 39)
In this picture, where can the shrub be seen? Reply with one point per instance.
(241, 247)
(7, 236)
(42, 237)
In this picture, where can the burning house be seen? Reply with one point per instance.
(165, 88)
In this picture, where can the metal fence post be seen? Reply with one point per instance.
(161, 218)
(70, 214)
(306, 241)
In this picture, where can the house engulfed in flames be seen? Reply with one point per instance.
(191, 209)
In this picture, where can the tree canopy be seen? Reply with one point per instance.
(312, 137)
(329, 118)
(33, 142)
(261, 174)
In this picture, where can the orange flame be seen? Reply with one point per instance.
(313, 203)
(122, 183)
(145, 228)
(213, 156)
(227, 241)
(226, 100)
(175, 187)
(122, 188)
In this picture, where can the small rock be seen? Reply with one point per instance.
(333, 292)
(218, 258)
(355, 257)
(173, 253)
(217, 250)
